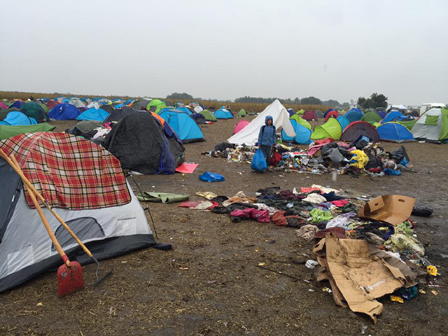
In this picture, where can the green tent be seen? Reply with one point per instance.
(10, 131)
(371, 117)
(409, 124)
(242, 113)
(155, 105)
(44, 107)
(208, 115)
(331, 129)
(300, 112)
(33, 110)
(301, 121)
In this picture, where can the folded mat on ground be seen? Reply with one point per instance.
(162, 197)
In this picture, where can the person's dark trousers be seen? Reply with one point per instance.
(267, 153)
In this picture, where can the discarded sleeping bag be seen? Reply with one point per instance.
(259, 161)
(211, 177)
(261, 216)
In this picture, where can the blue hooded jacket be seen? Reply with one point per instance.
(267, 134)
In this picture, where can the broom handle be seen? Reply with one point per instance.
(47, 226)
(16, 167)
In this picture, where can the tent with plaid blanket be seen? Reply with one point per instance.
(85, 184)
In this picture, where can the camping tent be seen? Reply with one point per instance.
(291, 112)
(222, 113)
(3, 105)
(394, 132)
(301, 121)
(354, 114)
(360, 128)
(105, 215)
(240, 125)
(328, 111)
(141, 104)
(331, 114)
(319, 114)
(77, 102)
(393, 116)
(10, 131)
(155, 105)
(93, 114)
(45, 108)
(185, 109)
(17, 104)
(331, 129)
(343, 121)
(242, 113)
(432, 125)
(249, 135)
(184, 126)
(303, 133)
(371, 117)
(108, 108)
(142, 144)
(51, 103)
(208, 115)
(301, 112)
(309, 115)
(17, 119)
(198, 109)
(33, 110)
(408, 123)
(64, 111)
(117, 115)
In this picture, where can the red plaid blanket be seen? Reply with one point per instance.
(70, 172)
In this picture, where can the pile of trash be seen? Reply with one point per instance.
(361, 157)
(365, 247)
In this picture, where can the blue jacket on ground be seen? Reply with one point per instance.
(267, 134)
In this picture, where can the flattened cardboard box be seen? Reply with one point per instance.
(393, 209)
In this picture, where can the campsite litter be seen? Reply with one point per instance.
(361, 158)
(363, 246)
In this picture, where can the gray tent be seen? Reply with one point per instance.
(26, 249)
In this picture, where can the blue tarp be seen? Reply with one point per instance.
(394, 132)
(17, 119)
(93, 114)
(64, 111)
(303, 134)
(354, 114)
(211, 177)
(184, 126)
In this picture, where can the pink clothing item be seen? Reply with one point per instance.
(340, 203)
(261, 216)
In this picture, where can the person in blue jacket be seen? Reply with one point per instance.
(267, 138)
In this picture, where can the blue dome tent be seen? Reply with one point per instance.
(393, 116)
(17, 104)
(184, 126)
(354, 114)
(343, 121)
(184, 109)
(93, 114)
(303, 134)
(17, 119)
(64, 111)
(222, 113)
(395, 132)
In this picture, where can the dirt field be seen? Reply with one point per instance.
(210, 284)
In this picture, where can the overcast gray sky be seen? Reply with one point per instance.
(226, 49)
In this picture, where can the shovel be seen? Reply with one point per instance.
(31, 190)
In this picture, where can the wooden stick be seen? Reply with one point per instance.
(15, 165)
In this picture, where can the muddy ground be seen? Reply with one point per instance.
(210, 285)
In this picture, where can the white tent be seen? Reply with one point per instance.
(198, 109)
(249, 134)
(432, 125)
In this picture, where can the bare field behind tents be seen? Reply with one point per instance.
(211, 285)
(249, 107)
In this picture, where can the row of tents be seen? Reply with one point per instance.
(393, 126)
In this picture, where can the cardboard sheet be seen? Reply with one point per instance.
(358, 277)
(393, 209)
